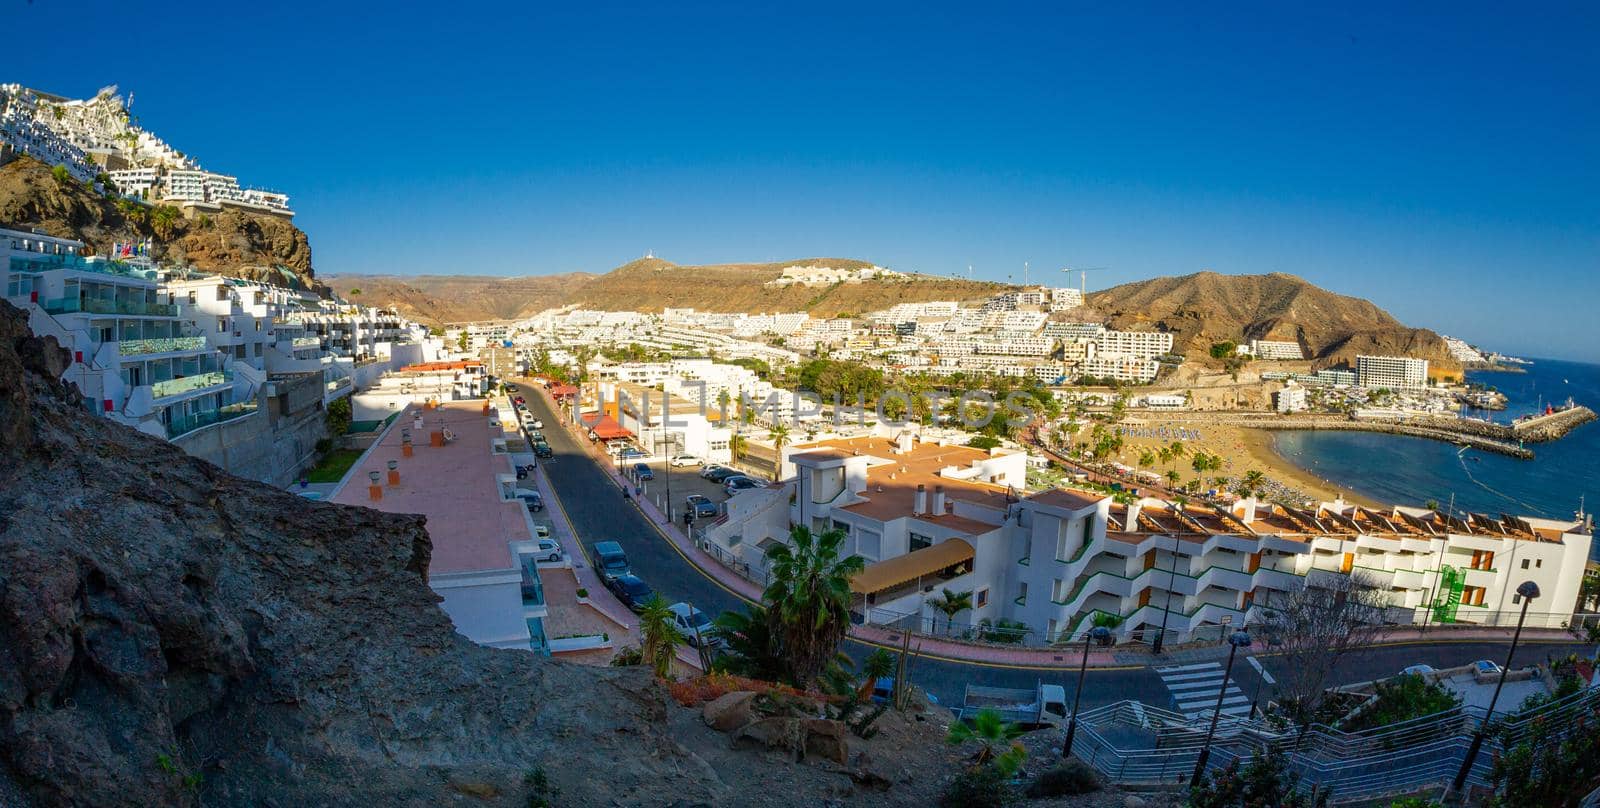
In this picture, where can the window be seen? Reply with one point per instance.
(1022, 592)
(981, 598)
(1524, 566)
(1515, 599)
(844, 526)
(869, 544)
(222, 324)
(258, 326)
(919, 541)
(1538, 562)
(194, 297)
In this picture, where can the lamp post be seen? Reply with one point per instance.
(1166, 608)
(1236, 640)
(1096, 634)
(1528, 590)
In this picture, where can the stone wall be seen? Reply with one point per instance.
(269, 450)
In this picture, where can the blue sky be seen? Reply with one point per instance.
(1443, 160)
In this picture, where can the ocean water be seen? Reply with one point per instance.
(1410, 471)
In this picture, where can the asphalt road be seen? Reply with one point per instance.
(598, 512)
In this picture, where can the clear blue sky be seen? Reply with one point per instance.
(1444, 162)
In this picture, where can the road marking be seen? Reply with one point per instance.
(1265, 677)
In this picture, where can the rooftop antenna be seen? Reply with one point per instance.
(1083, 274)
(969, 272)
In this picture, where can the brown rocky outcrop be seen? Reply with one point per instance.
(233, 241)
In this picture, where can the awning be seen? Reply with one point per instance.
(884, 574)
(608, 429)
(561, 390)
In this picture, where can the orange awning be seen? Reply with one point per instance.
(927, 561)
(608, 429)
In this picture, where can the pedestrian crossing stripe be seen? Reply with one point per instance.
(1203, 683)
(1235, 698)
(1199, 666)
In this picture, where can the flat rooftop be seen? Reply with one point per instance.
(456, 486)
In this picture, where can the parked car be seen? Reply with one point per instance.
(536, 423)
(548, 550)
(610, 560)
(631, 590)
(1418, 669)
(643, 472)
(511, 388)
(700, 505)
(541, 531)
(536, 436)
(721, 475)
(1484, 667)
(711, 468)
(734, 485)
(542, 449)
(677, 461)
(693, 625)
(531, 499)
(629, 452)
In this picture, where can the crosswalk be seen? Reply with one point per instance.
(1194, 690)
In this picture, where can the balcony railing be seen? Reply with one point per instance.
(187, 384)
(338, 384)
(67, 305)
(307, 342)
(160, 345)
(189, 423)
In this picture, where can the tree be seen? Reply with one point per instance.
(997, 739)
(808, 599)
(736, 446)
(1267, 781)
(1252, 483)
(338, 416)
(1554, 764)
(164, 221)
(984, 442)
(951, 604)
(1313, 630)
(877, 665)
(1178, 450)
(462, 340)
(1401, 699)
(1172, 477)
(1147, 458)
(780, 438)
(749, 647)
(658, 637)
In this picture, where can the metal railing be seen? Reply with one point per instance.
(1135, 744)
(187, 384)
(159, 345)
(185, 424)
(67, 305)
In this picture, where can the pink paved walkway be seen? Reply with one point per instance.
(1008, 655)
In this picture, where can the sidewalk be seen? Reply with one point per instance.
(1066, 656)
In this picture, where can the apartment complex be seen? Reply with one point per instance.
(930, 517)
(1393, 372)
(1270, 349)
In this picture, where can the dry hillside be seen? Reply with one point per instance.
(1206, 308)
(651, 284)
(231, 242)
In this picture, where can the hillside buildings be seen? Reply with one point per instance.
(1391, 372)
(929, 517)
(1269, 349)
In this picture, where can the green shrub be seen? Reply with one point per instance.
(324, 445)
(582, 592)
(1402, 699)
(983, 787)
(1070, 778)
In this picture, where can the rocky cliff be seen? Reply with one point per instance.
(172, 635)
(230, 242)
(1206, 308)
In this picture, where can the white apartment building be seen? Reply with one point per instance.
(1461, 351)
(1269, 349)
(928, 517)
(1014, 343)
(1121, 368)
(1136, 344)
(666, 424)
(1292, 398)
(1063, 298)
(1392, 372)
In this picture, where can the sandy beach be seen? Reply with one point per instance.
(1242, 450)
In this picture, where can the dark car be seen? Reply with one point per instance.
(710, 468)
(631, 590)
(542, 449)
(701, 505)
(643, 472)
(511, 388)
(722, 474)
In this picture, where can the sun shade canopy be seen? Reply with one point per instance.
(927, 561)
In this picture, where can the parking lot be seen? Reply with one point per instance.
(683, 481)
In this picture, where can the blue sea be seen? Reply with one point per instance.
(1401, 470)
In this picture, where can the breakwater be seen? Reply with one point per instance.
(1549, 427)
(1422, 429)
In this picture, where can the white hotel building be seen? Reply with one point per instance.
(929, 517)
(1393, 372)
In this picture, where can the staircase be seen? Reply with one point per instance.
(1450, 585)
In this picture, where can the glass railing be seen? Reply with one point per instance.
(67, 305)
(307, 342)
(46, 263)
(189, 423)
(159, 345)
(338, 384)
(174, 387)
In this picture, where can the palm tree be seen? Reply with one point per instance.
(658, 637)
(1165, 454)
(723, 400)
(994, 733)
(1147, 458)
(951, 604)
(748, 645)
(163, 220)
(1253, 482)
(808, 600)
(1178, 450)
(736, 445)
(877, 665)
(1173, 476)
(583, 353)
(780, 437)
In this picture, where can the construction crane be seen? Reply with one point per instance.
(1083, 274)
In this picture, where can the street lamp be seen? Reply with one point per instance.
(1166, 608)
(1097, 634)
(1528, 590)
(1236, 640)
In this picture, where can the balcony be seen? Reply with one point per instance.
(138, 308)
(189, 423)
(307, 342)
(189, 384)
(160, 345)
